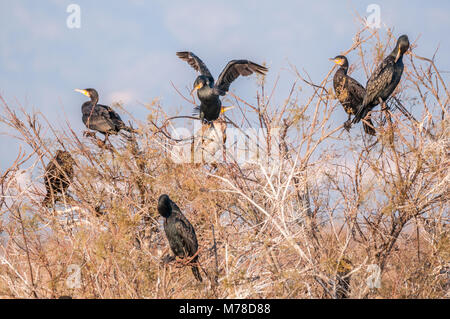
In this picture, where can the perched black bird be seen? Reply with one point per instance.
(58, 175)
(350, 93)
(209, 91)
(179, 232)
(101, 118)
(384, 79)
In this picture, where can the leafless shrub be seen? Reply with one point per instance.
(304, 220)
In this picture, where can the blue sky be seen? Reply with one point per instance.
(126, 49)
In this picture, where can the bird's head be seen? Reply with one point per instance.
(401, 47)
(340, 60)
(91, 93)
(164, 206)
(65, 157)
(201, 82)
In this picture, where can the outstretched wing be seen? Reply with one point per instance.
(233, 70)
(195, 62)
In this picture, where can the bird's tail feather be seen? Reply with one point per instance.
(360, 114)
(369, 128)
(196, 273)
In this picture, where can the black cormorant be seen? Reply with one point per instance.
(384, 79)
(101, 118)
(179, 232)
(209, 91)
(350, 93)
(58, 175)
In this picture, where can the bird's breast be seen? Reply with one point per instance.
(207, 96)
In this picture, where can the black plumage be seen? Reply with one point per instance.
(208, 91)
(58, 176)
(101, 118)
(384, 79)
(179, 232)
(350, 93)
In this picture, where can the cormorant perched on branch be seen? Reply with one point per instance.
(179, 232)
(384, 79)
(58, 175)
(101, 118)
(350, 93)
(210, 91)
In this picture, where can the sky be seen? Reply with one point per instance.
(126, 49)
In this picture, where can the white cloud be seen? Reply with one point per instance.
(122, 96)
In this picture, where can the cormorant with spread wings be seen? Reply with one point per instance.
(209, 91)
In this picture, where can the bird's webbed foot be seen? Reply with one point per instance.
(206, 122)
(99, 142)
(181, 262)
(89, 134)
(105, 145)
(384, 106)
(106, 139)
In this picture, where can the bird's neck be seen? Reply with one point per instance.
(168, 216)
(394, 54)
(166, 213)
(94, 101)
(204, 91)
(344, 69)
(87, 107)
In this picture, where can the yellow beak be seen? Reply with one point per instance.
(199, 86)
(225, 109)
(337, 61)
(82, 92)
(398, 55)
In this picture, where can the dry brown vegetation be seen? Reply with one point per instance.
(306, 222)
